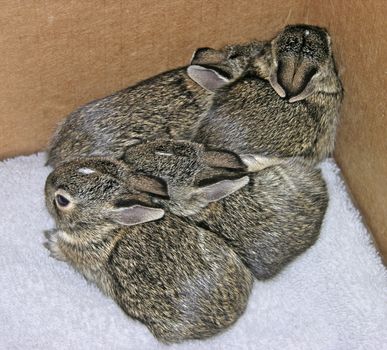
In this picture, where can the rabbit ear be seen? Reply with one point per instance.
(308, 90)
(256, 162)
(150, 184)
(135, 214)
(274, 84)
(294, 77)
(207, 55)
(133, 142)
(208, 78)
(221, 189)
(223, 159)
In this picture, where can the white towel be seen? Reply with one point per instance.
(333, 297)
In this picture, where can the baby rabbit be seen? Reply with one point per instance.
(268, 217)
(167, 105)
(181, 281)
(248, 115)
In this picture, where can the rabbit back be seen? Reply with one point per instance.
(249, 117)
(183, 282)
(273, 219)
(166, 105)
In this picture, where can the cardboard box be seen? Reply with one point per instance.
(58, 55)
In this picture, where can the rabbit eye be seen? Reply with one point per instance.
(62, 201)
(233, 56)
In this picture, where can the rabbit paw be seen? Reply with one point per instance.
(52, 245)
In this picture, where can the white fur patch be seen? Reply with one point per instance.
(256, 162)
(159, 153)
(66, 237)
(86, 171)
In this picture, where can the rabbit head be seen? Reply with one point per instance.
(213, 69)
(91, 191)
(297, 63)
(301, 61)
(195, 176)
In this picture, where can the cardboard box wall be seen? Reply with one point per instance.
(57, 55)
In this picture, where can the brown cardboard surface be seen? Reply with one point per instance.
(359, 34)
(57, 55)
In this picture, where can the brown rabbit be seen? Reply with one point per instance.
(181, 281)
(248, 116)
(268, 217)
(167, 105)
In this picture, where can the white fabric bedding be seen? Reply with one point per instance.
(333, 297)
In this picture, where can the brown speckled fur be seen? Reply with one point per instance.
(167, 105)
(183, 282)
(246, 115)
(268, 222)
(249, 116)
